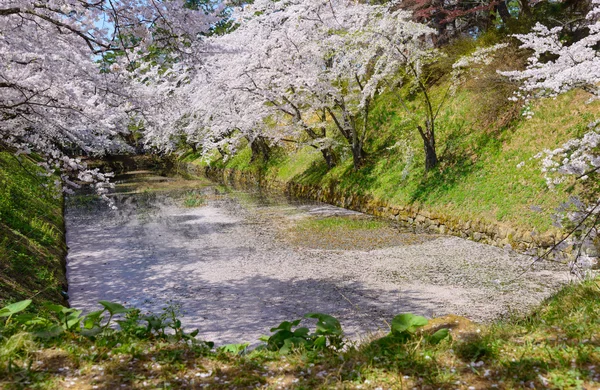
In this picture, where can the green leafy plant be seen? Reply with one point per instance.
(69, 319)
(235, 349)
(113, 309)
(58, 320)
(167, 326)
(407, 324)
(63, 319)
(406, 327)
(438, 336)
(328, 334)
(12, 309)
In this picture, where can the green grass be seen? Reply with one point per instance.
(295, 164)
(32, 246)
(341, 223)
(194, 199)
(347, 233)
(477, 177)
(557, 346)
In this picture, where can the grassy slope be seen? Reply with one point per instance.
(31, 233)
(478, 175)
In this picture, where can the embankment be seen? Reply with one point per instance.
(32, 233)
(487, 232)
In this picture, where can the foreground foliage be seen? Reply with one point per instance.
(557, 346)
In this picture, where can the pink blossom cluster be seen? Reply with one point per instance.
(296, 71)
(575, 65)
(65, 82)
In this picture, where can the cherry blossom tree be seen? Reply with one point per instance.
(318, 63)
(275, 62)
(575, 65)
(64, 72)
(554, 68)
(378, 50)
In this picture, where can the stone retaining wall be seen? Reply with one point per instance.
(492, 233)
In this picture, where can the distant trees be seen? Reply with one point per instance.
(452, 18)
(77, 75)
(313, 68)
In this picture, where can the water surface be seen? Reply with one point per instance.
(237, 263)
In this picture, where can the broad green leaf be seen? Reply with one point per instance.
(92, 319)
(408, 323)
(195, 333)
(438, 336)
(73, 319)
(291, 343)
(301, 332)
(14, 308)
(278, 339)
(286, 325)
(58, 309)
(326, 324)
(114, 308)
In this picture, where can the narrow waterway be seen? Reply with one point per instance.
(238, 263)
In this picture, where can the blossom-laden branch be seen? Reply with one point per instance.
(65, 81)
(555, 67)
(576, 65)
(580, 160)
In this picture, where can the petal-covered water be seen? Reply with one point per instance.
(237, 263)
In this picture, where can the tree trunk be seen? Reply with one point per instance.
(431, 159)
(358, 155)
(428, 136)
(330, 157)
(502, 9)
(525, 8)
(260, 149)
(347, 128)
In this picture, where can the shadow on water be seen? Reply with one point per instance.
(151, 252)
(230, 265)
